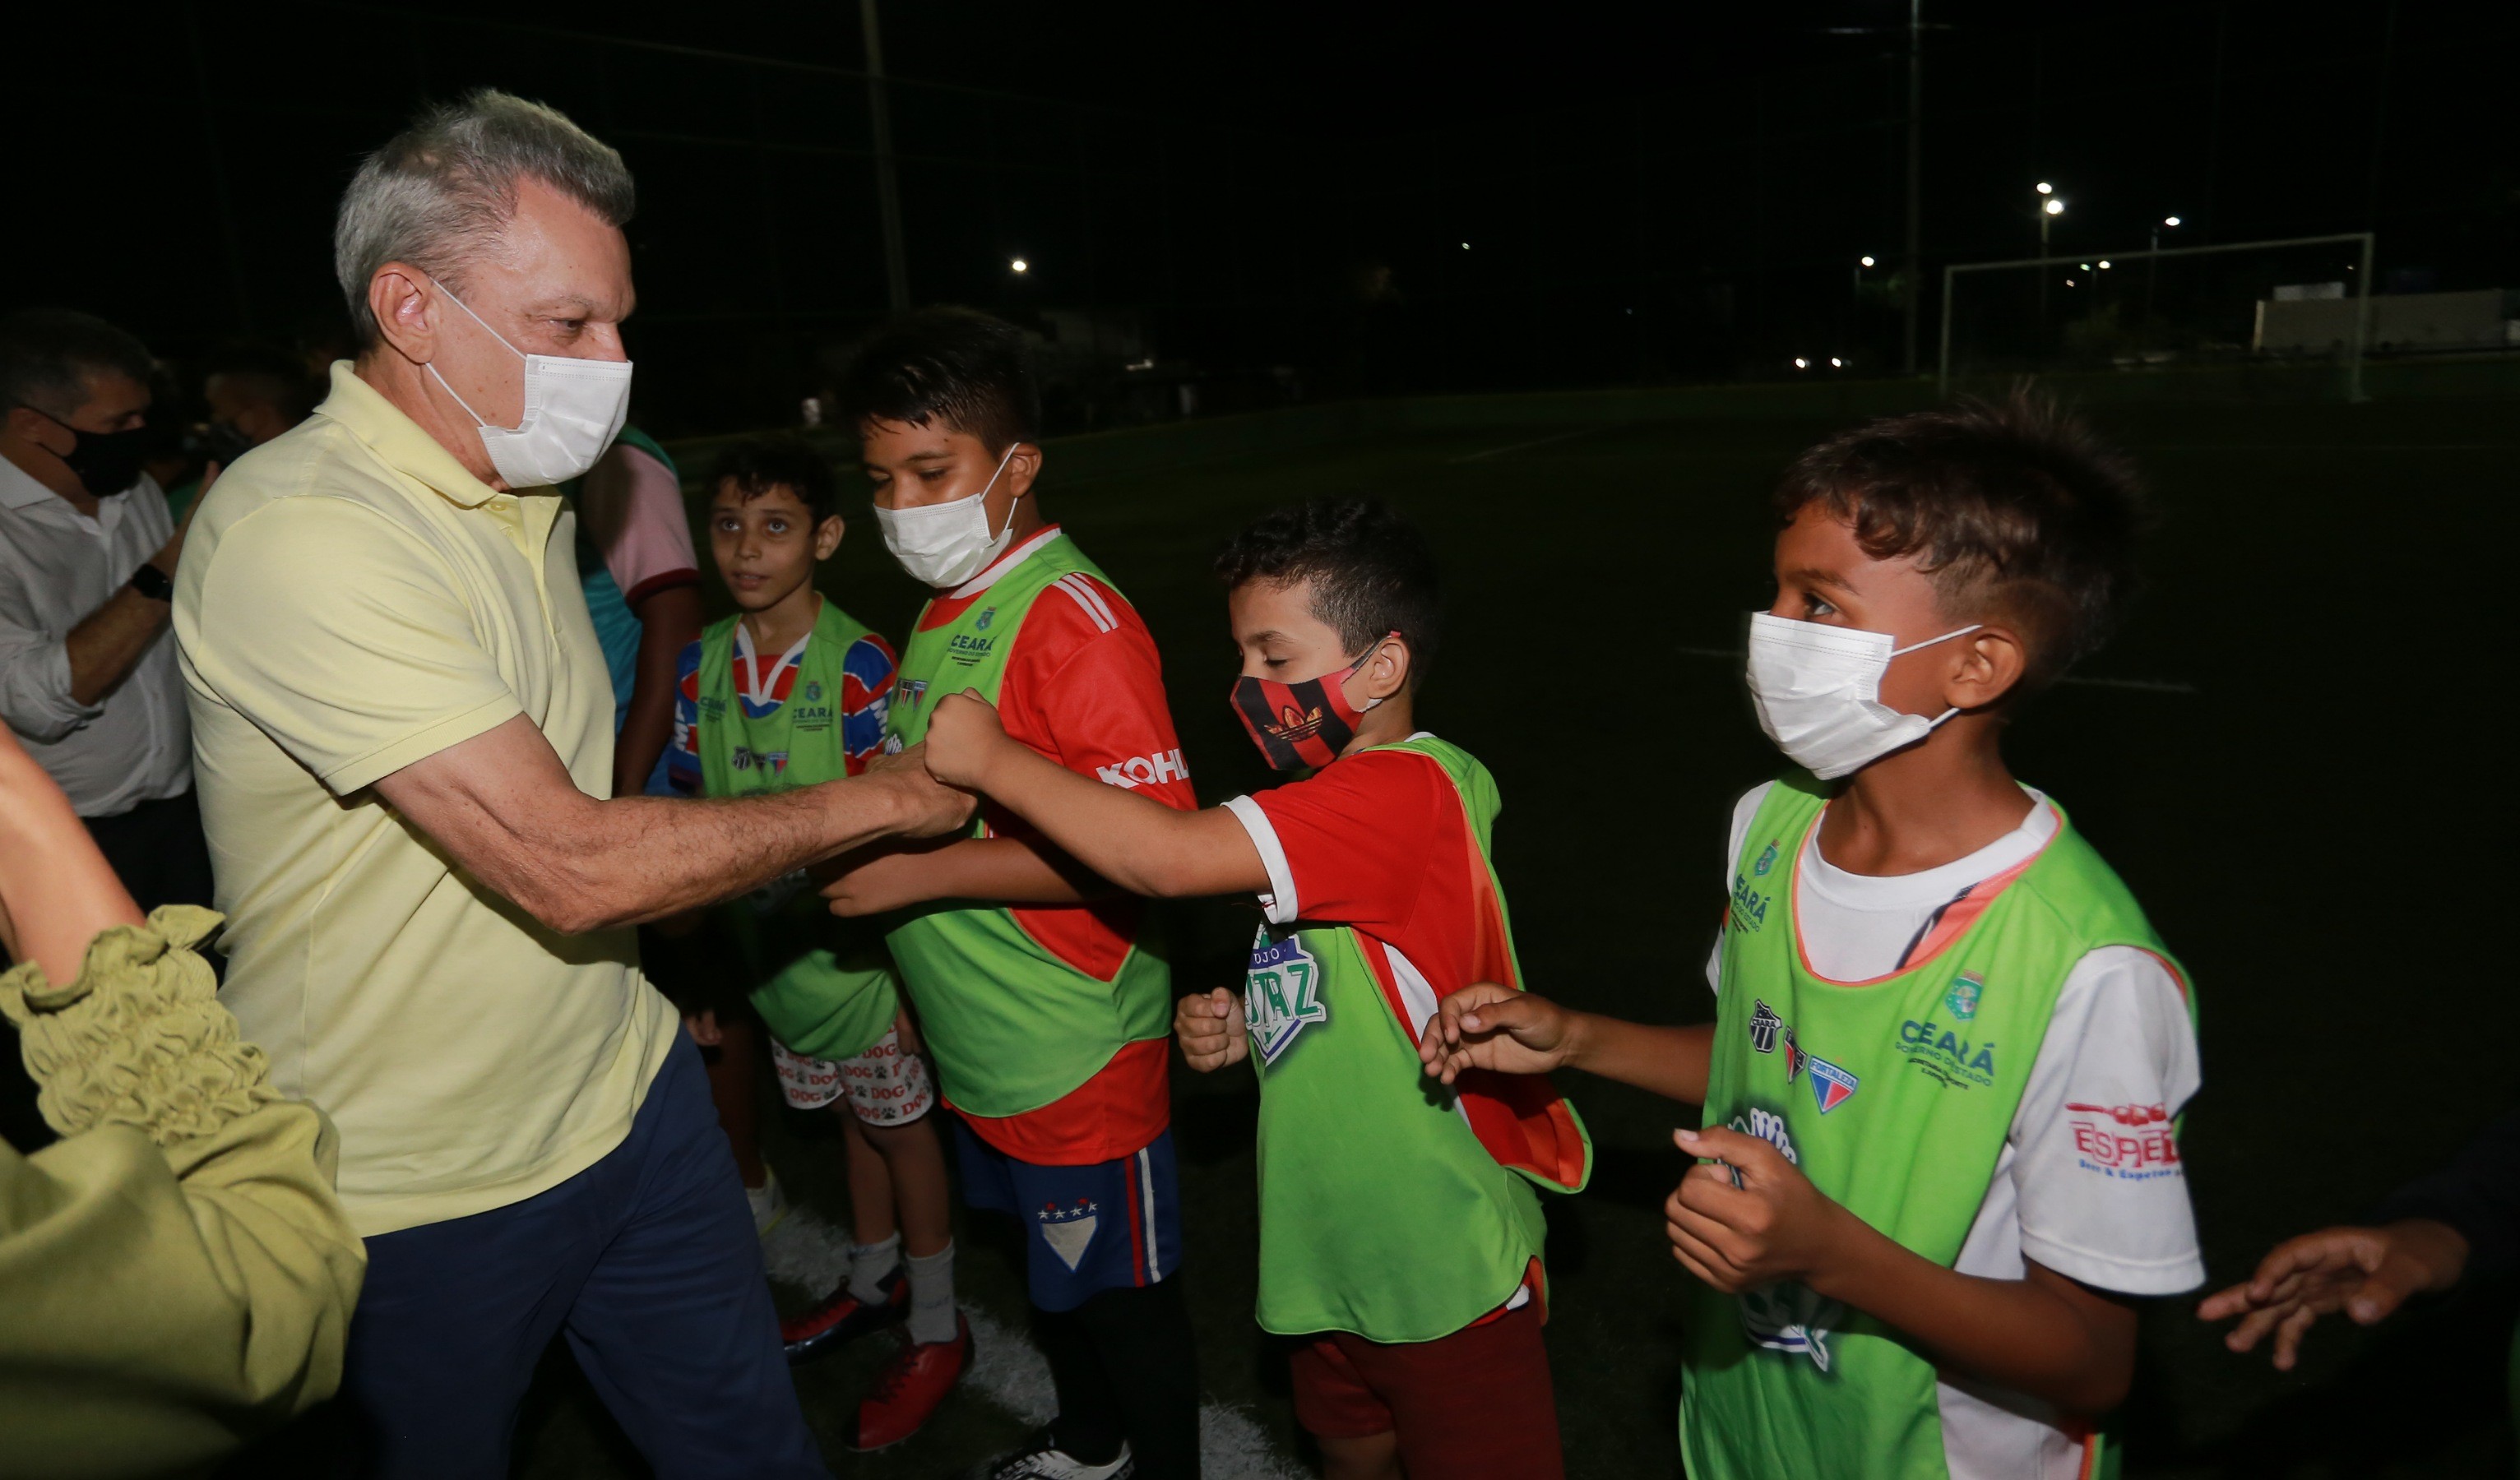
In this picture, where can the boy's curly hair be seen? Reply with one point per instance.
(2014, 507)
(1372, 572)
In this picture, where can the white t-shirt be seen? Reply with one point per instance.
(2088, 1182)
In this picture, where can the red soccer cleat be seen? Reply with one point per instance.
(842, 1317)
(914, 1382)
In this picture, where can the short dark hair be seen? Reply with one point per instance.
(273, 374)
(957, 366)
(1373, 573)
(47, 354)
(757, 464)
(2013, 506)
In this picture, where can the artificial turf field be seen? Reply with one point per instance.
(2288, 753)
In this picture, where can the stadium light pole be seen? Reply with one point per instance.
(2050, 206)
(2153, 264)
(887, 178)
(1911, 268)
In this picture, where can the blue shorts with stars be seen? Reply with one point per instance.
(1110, 1226)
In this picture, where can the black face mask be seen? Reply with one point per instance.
(107, 462)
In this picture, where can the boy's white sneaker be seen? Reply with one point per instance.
(1043, 1460)
(769, 1201)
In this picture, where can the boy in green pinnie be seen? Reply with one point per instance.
(1400, 1230)
(1940, 1160)
(788, 693)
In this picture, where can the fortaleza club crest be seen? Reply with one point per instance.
(1069, 1230)
(1963, 998)
(1831, 1086)
(1281, 994)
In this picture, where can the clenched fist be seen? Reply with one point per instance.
(1211, 1029)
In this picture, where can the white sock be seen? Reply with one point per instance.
(868, 1264)
(931, 1297)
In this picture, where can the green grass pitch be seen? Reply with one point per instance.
(2288, 752)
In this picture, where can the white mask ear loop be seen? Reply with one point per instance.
(1928, 643)
(485, 329)
(992, 483)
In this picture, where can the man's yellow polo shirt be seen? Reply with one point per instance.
(350, 602)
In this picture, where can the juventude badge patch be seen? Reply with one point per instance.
(1281, 994)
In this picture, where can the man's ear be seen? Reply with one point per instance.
(27, 425)
(1990, 664)
(827, 535)
(405, 310)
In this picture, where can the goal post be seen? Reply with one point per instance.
(2086, 312)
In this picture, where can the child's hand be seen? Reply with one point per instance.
(2366, 1273)
(962, 735)
(1773, 1226)
(1211, 1030)
(1488, 1026)
(874, 880)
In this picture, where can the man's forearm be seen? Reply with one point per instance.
(2029, 1335)
(1671, 1061)
(635, 859)
(502, 806)
(108, 640)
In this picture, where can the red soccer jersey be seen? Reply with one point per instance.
(1084, 686)
(1378, 843)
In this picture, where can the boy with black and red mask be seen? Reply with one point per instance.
(1400, 1231)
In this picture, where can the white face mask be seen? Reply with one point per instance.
(573, 410)
(947, 544)
(1818, 691)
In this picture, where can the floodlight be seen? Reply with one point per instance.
(1802, 364)
(2046, 189)
(1834, 363)
(2105, 267)
(2055, 207)
(2170, 220)
(1465, 246)
(1867, 261)
(2086, 267)
(1019, 265)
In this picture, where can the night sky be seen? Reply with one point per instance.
(1279, 196)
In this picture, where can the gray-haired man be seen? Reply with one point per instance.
(403, 730)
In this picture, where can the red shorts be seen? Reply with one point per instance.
(1476, 1402)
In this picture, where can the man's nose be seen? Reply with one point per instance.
(605, 341)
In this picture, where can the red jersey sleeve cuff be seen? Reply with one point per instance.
(1279, 902)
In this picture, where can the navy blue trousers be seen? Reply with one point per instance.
(646, 1261)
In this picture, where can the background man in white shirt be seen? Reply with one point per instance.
(87, 672)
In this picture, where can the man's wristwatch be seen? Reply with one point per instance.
(153, 583)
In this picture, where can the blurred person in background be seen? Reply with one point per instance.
(87, 563)
(175, 1273)
(252, 393)
(643, 590)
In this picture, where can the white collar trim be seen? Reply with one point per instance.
(1003, 563)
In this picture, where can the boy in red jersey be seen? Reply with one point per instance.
(1400, 1230)
(1046, 1011)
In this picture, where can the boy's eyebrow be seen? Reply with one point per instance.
(1814, 576)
